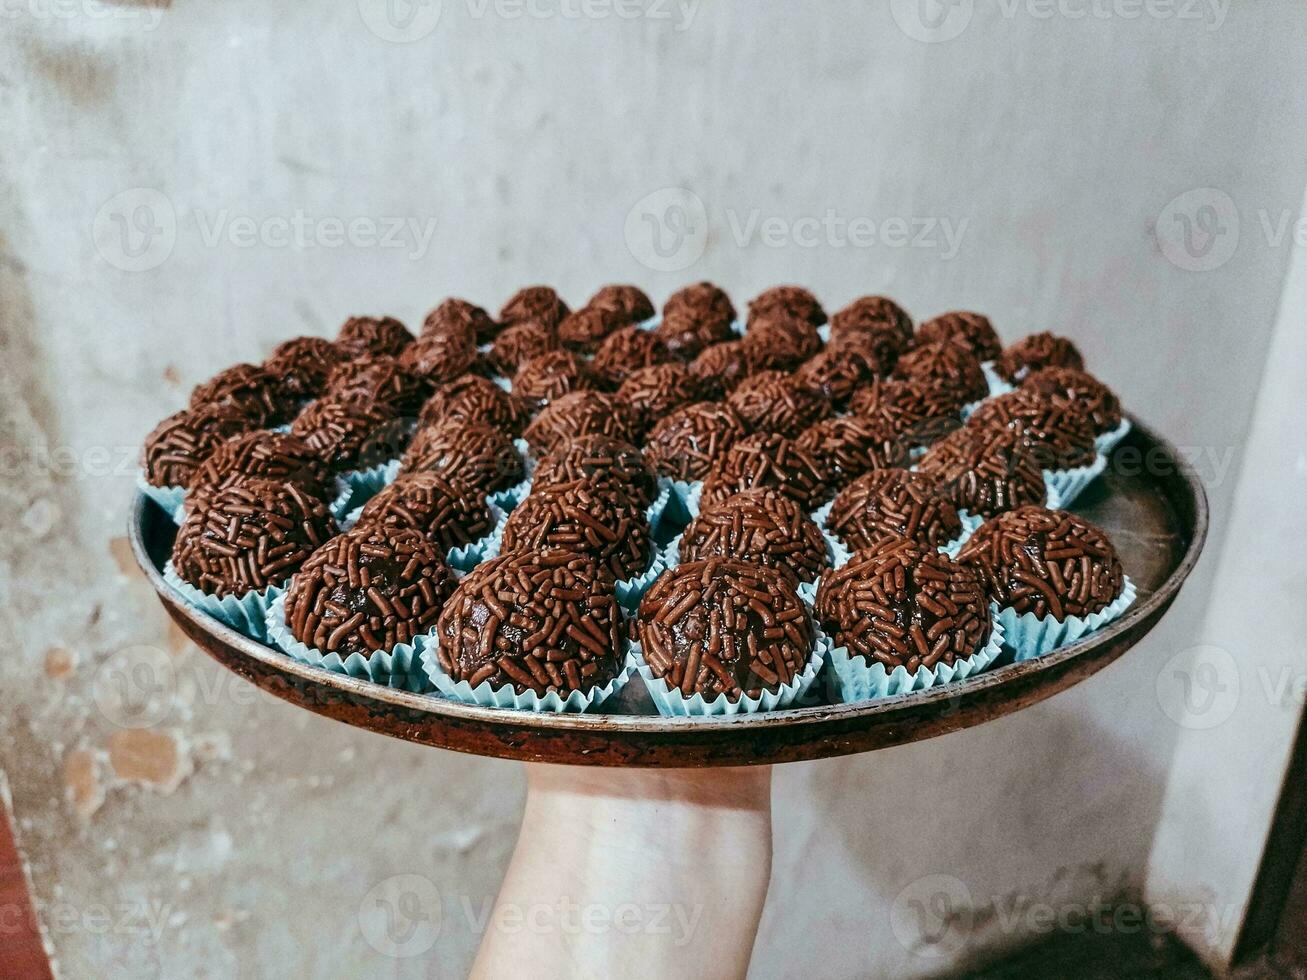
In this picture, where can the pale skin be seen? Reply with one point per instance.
(633, 873)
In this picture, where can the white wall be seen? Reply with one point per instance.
(1056, 143)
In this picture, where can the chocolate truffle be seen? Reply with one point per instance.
(438, 358)
(449, 514)
(584, 330)
(378, 380)
(914, 411)
(1039, 350)
(267, 455)
(700, 302)
(786, 303)
(761, 526)
(178, 445)
(582, 518)
(624, 303)
(782, 345)
(767, 460)
(1094, 399)
(1046, 562)
(723, 366)
(685, 336)
(612, 467)
(846, 365)
(685, 444)
(625, 351)
(653, 392)
(1057, 431)
(248, 536)
(369, 589)
(534, 303)
(521, 342)
(903, 606)
(986, 472)
(581, 413)
(458, 316)
(300, 366)
(473, 453)
(552, 375)
(351, 435)
(872, 313)
(363, 335)
(945, 365)
(774, 402)
(475, 399)
(971, 330)
(894, 503)
(538, 621)
(723, 626)
(848, 446)
(249, 391)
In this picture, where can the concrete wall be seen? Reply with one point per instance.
(179, 188)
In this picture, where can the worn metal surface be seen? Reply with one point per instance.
(1153, 507)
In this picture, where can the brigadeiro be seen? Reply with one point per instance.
(971, 330)
(945, 365)
(625, 351)
(894, 503)
(366, 590)
(535, 621)
(521, 342)
(1046, 562)
(724, 627)
(723, 366)
(534, 303)
(986, 471)
(249, 391)
(351, 435)
(585, 329)
(249, 536)
(624, 303)
(901, 605)
(300, 366)
(266, 455)
(774, 402)
(448, 513)
(701, 302)
(177, 446)
(914, 411)
(847, 364)
(787, 303)
(762, 526)
(848, 446)
(782, 345)
(472, 398)
(684, 445)
(1060, 435)
(580, 517)
(1039, 350)
(1094, 399)
(685, 335)
(377, 380)
(438, 358)
(871, 313)
(472, 453)
(766, 459)
(652, 392)
(611, 466)
(581, 413)
(458, 316)
(551, 375)
(363, 335)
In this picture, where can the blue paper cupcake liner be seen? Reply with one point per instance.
(997, 385)
(1109, 440)
(171, 499)
(245, 613)
(398, 667)
(574, 702)
(671, 703)
(464, 558)
(851, 678)
(509, 498)
(1028, 636)
(356, 487)
(1066, 485)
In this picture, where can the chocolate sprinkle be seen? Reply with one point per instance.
(771, 401)
(871, 313)
(986, 472)
(351, 435)
(249, 391)
(178, 445)
(686, 333)
(970, 330)
(686, 443)
(582, 518)
(378, 380)
(520, 343)
(612, 467)
(722, 367)
(894, 503)
(847, 364)
(700, 302)
(552, 375)
(762, 526)
(534, 303)
(1040, 350)
(448, 514)
(782, 345)
(767, 460)
(581, 413)
(1058, 433)
(787, 303)
(440, 357)
(475, 399)
(1090, 396)
(377, 336)
(848, 446)
(472, 453)
(301, 366)
(624, 303)
(948, 366)
(584, 330)
(652, 392)
(625, 351)
(914, 411)
(456, 317)
(267, 455)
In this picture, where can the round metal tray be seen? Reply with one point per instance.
(1149, 501)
